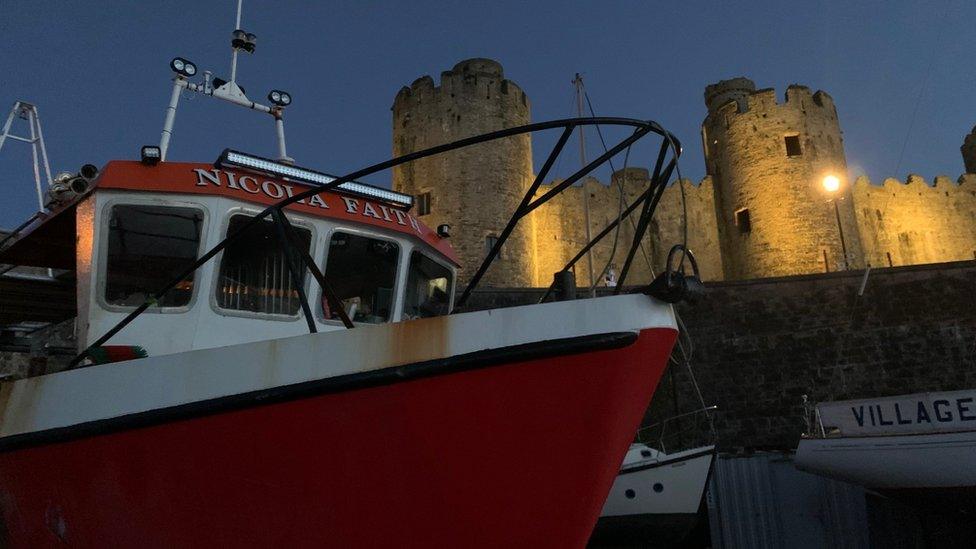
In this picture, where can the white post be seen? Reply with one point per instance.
(40, 138)
(233, 59)
(6, 125)
(37, 169)
(233, 66)
(170, 118)
(280, 129)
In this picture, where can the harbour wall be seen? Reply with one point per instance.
(758, 346)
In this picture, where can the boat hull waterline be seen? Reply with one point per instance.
(430, 454)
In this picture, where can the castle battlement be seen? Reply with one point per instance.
(760, 211)
(965, 183)
(739, 95)
(906, 222)
(483, 78)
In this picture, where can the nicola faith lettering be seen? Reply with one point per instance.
(277, 190)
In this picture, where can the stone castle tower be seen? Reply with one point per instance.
(969, 152)
(762, 210)
(475, 189)
(768, 160)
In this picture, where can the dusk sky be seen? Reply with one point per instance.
(902, 74)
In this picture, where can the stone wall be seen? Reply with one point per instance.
(560, 228)
(758, 346)
(913, 223)
(791, 227)
(793, 224)
(477, 188)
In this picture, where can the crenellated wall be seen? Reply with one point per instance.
(560, 229)
(913, 222)
(765, 156)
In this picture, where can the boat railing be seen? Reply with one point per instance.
(813, 420)
(697, 432)
(299, 260)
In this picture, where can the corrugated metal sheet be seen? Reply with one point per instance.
(762, 501)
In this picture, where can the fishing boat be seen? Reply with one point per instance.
(657, 497)
(269, 355)
(919, 445)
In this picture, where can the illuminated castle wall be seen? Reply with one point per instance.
(760, 211)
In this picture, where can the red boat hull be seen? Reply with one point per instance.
(519, 454)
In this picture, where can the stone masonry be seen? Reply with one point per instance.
(761, 210)
(477, 188)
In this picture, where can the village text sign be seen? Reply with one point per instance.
(903, 414)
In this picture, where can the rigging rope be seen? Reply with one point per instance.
(683, 329)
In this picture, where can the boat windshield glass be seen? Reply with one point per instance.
(148, 246)
(362, 271)
(428, 288)
(254, 274)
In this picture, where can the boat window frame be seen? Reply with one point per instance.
(101, 262)
(432, 255)
(402, 246)
(298, 222)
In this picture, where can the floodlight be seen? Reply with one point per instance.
(151, 155)
(280, 98)
(238, 39)
(183, 66)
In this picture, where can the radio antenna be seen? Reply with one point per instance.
(228, 90)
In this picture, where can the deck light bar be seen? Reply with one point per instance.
(235, 159)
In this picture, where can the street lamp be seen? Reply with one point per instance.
(831, 184)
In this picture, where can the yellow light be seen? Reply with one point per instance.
(831, 183)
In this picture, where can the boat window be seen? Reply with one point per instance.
(428, 288)
(254, 273)
(148, 247)
(362, 271)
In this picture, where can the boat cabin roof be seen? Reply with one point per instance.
(49, 241)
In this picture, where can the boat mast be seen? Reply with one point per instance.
(228, 90)
(28, 112)
(578, 83)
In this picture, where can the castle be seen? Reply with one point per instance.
(776, 199)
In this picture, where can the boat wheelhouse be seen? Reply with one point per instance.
(142, 225)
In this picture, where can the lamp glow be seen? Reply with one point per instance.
(831, 183)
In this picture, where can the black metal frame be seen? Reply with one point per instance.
(299, 257)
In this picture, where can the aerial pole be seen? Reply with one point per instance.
(578, 83)
(228, 90)
(28, 112)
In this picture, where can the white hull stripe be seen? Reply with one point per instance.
(121, 389)
(349, 382)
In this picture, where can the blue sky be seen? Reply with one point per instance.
(901, 73)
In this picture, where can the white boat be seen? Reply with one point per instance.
(655, 498)
(924, 442)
